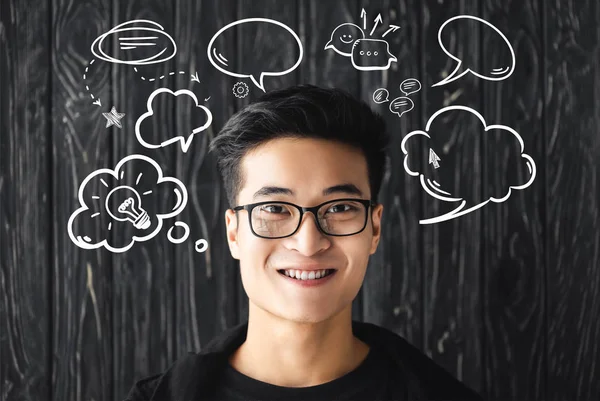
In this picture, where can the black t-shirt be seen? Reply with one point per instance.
(369, 381)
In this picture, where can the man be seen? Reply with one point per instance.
(302, 168)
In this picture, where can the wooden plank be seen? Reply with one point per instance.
(392, 287)
(264, 49)
(572, 87)
(205, 281)
(25, 342)
(514, 341)
(143, 285)
(451, 249)
(81, 278)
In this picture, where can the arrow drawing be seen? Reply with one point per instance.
(393, 28)
(363, 15)
(195, 77)
(433, 158)
(98, 102)
(378, 20)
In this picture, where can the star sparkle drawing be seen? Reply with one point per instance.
(113, 118)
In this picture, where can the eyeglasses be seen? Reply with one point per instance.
(339, 217)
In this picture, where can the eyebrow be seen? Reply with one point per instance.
(348, 189)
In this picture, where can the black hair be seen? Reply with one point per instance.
(302, 111)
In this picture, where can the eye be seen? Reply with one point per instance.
(341, 207)
(273, 209)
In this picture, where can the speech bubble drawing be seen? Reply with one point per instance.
(381, 95)
(372, 54)
(343, 37)
(412, 167)
(110, 197)
(185, 143)
(162, 44)
(222, 64)
(497, 73)
(401, 105)
(409, 86)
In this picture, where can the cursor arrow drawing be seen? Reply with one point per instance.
(433, 158)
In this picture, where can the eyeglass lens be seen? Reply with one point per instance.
(336, 218)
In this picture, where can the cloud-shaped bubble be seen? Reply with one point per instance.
(445, 193)
(185, 140)
(224, 60)
(126, 205)
(140, 42)
(505, 63)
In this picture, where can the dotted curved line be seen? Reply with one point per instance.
(85, 77)
(154, 79)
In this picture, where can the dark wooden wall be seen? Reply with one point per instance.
(506, 298)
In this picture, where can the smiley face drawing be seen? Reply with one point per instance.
(343, 37)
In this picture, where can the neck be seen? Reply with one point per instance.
(296, 354)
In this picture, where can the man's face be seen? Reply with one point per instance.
(306, 167)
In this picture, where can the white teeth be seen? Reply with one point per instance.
(305, 275)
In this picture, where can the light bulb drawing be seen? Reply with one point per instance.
(126, 206)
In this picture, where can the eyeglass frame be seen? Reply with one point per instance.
(367, 203)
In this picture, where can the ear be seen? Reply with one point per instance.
(376, 224)
(231, 225)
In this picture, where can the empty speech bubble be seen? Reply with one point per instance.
(247, 28)
(401, 105)
(409, 86)
(343, 37)
(372, 54)
(381, 95)
(502, 69)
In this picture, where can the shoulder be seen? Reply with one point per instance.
(143, 389)
(426, 377)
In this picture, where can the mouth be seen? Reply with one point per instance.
(350, 41)
(306, 276)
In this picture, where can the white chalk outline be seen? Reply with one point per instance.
(387, 98)
(405, 111)
(458, 211)
(391, 59)
(330, 45)
(451, 77)
(150, 60)
(204, 245)
(185, 144)
(182, 202)
(113, 118)
(260, 82)
(410, 79)
(185, 235)
(245, 90)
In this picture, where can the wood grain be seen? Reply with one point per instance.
(25, 202)
(205, 282)
(144, 276)
(393, 283)
(81, 279)
(513, 275)
(571, 121)
(452, 249)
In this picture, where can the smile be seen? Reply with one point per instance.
(350, 41)
(306, 275)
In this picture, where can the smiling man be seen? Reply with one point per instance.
(302, 168)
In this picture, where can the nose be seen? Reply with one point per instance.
(309, 240)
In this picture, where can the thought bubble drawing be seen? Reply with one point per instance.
(445, 192)
(244, 28)
(381, 95)
(343, 37)
(124, 200)
(401, 105)
(498, 72)
(185, 140)
(410, 86)
(139, 42)
(349, 40)
(372, 54)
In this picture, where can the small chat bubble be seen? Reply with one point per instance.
(343, 37)
(381, 95)
(372, 54)
(401, 105)
(504, 60)
(247, 28)
(409, 86)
